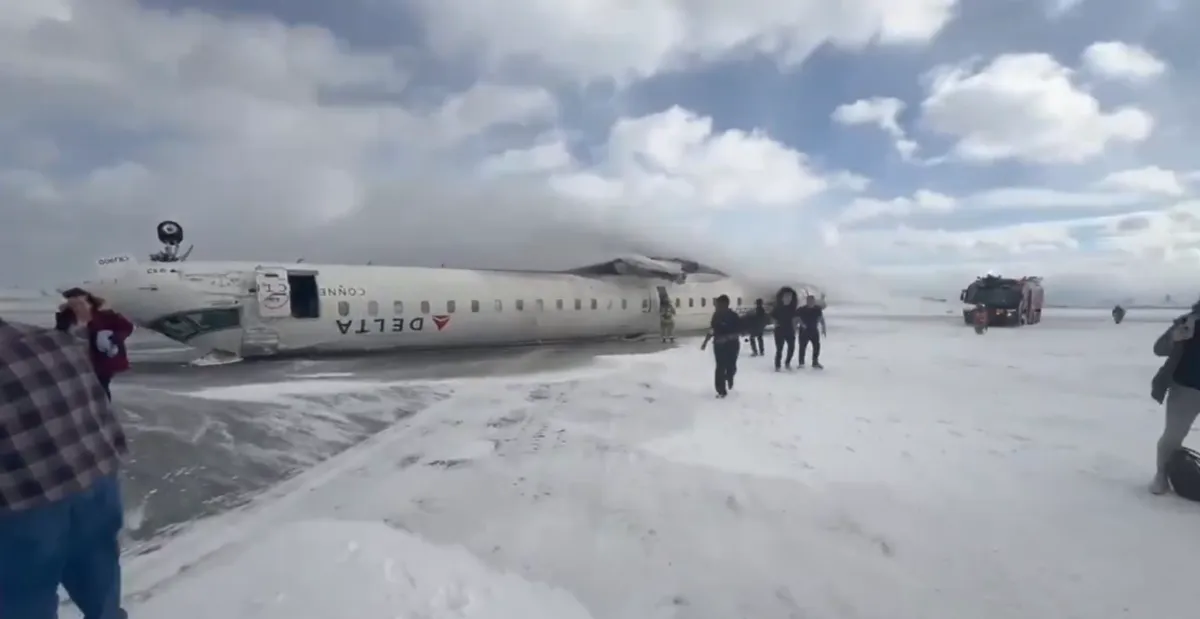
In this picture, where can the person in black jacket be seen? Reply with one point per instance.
(811, 316)
(784, 315)
(758, 323)
(725, 335)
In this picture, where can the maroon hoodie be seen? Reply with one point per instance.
(102, 320)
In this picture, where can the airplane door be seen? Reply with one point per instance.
(274, 293)
(650, 302)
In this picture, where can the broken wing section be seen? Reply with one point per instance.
(672, 269)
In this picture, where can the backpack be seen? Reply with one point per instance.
(1183, 470)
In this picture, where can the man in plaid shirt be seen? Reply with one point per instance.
(60, 501)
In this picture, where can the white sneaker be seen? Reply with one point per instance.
(1160, 485)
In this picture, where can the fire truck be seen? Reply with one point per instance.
(1007, 301)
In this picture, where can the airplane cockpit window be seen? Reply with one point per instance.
(187, 325)
(372, 308)
(499, 305)
(520, 305)
(595, 304)
(691, 302)
(541, 306)
(450, 307)
(343, 308)
(424, 307)
(578, 304)
(475, 306)
(397, 307)
(558, 304)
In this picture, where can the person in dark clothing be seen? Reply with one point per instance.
(758, 323)
(784, 315)
(1178, 384)
(104, 329)
(811, 316)
(725, 335)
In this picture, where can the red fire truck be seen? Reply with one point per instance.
(1007, 301)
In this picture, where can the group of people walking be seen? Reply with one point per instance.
(61, 446)
(793, 323)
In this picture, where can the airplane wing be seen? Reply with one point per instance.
(674, 269)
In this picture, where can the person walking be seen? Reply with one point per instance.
(1178, 384)
(60, 501)
(758, 324)
(104, 329)
(666, 320)
(725, 334)
(811, 316)
(784, 316)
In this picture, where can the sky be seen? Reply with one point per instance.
(906, 144)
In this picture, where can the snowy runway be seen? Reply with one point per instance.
(928, 473)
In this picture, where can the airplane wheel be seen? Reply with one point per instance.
(170, 233)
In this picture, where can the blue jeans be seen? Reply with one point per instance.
(72, 542)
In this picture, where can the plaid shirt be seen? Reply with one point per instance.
(58, 432)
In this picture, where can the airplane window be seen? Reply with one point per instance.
(424, 307)
(343, 308)
(541, 306)
(397, 307)
(520, 305)
(578, 304)
(645, 304)
(474, 306)
(373, 308)
(610, 304)
(499, 305)
(183, 327)
(678, 301)
(558, 304)
(624, 303)
(739, 301)
(450, 307)
(595, 304)
(691, 302)
(703, 302)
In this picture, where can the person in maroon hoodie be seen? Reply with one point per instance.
(105, 330)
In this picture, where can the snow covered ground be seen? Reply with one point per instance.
(927, 473)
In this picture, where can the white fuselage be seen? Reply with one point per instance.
(265, 309)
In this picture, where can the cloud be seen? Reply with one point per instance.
(1025, 107)
(544, 135)
(882, 112)
(1148, 179)
(674, 157)
(1121, 61)
(923, 201)
(595, 40)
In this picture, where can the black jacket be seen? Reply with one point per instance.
(726, 326)
(757, 320)
(784, 315)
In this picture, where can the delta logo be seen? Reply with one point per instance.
(441, 321)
